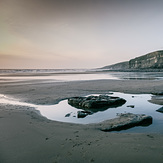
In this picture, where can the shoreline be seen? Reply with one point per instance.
(28, 137)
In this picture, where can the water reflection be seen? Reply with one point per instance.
(140, 102)
(137, 104)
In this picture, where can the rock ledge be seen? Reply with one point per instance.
(125, 121)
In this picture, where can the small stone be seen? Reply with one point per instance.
(160, 110)
(68, 115)
(131, 106)
(82, 114)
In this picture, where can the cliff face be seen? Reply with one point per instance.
(151, 60)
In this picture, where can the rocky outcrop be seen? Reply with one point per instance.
(125, 121)
(151, 60)
(96, 103)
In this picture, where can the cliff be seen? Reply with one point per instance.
(152, 60)
(118, 66)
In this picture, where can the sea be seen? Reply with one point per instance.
(60, 75)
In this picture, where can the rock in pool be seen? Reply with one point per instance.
(68, 115)
(125, 121)
(131, 106)
(160, 110)
(96, 103)
(82, 114)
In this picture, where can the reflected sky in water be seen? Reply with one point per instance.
(139, 101)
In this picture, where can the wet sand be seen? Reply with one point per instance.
(28, 137)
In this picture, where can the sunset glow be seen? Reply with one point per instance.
(77, 33)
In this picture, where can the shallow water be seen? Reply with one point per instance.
(59, 77)
(74, 75)
(139, 75)
(140, 101)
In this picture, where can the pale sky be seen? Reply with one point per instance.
(77, 33)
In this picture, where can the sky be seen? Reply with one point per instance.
(77, 33)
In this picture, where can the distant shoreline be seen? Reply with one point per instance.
(132, 70)
(45, 72)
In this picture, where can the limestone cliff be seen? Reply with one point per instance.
(151, 60)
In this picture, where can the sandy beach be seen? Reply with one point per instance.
(27, 137)
(109, 53)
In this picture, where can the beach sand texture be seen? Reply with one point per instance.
(28, 137)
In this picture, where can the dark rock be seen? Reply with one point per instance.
(160, 110)
(96, 103)
(82, 114)
(131, 106)
(158, 93)
(67, 115)
(126, 121)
